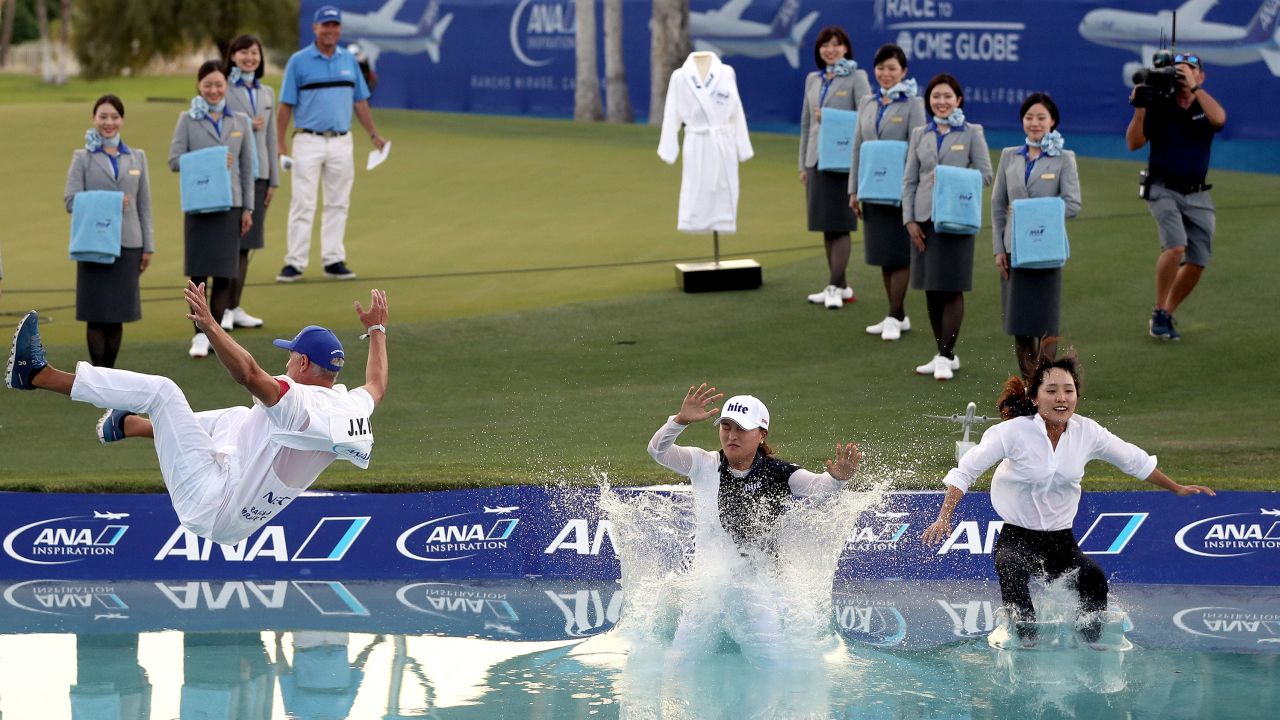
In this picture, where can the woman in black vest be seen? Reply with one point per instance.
(740, 491)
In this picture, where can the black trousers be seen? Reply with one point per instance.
(1021, 553)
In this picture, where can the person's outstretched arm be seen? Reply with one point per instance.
(375, 329)
(244, 369)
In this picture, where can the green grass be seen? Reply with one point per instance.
(504, 370)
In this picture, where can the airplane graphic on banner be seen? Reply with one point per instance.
(725, 33)
(380, 32)
(1216, 43)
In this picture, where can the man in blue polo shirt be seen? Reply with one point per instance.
(322, 85)
(1180, 130)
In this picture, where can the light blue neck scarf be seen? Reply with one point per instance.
(842, 67)
(93, 141)
(1051, 144)
(904, 89)
(955, 119)
(200, 108)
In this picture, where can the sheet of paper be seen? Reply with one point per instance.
(376, 157)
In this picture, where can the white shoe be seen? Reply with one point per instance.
(199, 346)
(833, 298)
(891, 330)
(929, 367)
(878, 328)
(846, 294)
(941, 369)
(242, 319)
(228, 321)
(819, 297)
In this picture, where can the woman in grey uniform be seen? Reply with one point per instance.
(107, 295)
(941, 263)
(1031, 298)
(212, 240)
(837, 83)
(890, 114)
(248, 96)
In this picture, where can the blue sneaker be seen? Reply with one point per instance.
(111, 426)
(1173, 331)
(26, 354)
(1161, 324)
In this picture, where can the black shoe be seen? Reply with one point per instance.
(289, 273)
(339, 271)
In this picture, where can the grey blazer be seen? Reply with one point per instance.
(845, 92)
(1050, 177)
(191, 134)
(900, 118)
(238, 100)
(966, 147)
(92, 171)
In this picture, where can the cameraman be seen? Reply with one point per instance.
(1180, 129)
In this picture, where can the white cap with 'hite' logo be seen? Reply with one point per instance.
(746, 411)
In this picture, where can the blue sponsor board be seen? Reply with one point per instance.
(515, 532)
(1080, 51)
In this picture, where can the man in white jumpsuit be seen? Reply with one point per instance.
(230, 471)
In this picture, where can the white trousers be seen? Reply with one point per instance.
(196, 475)
(320, 160)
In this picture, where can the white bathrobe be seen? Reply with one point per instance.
(715, 141)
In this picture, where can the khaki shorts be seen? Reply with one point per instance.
(1184, 221)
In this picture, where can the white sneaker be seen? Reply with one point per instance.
(846, 294)
(878, 328)
(819, 297)
(228, 321)
(833, 299)
(941, 368)
(242, 319)
(929, 367)
(891, 329)
(199, 346)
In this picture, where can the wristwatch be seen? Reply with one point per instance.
(1196, 88)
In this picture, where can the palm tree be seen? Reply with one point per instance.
(618, 108)
(667, 50)
(586, 93)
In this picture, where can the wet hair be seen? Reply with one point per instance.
(831, 32)
(944, 79)
(1017, 399)
(208, 67)
(111, 100)
(890, 52)
(241, 43)
(1039, 98)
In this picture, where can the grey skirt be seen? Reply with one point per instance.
(1031, 301)
(885, 241)
(827, 196)
(255, 238)
(212, 244)
(946, 265)
(109, 293)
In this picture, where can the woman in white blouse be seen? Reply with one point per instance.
(1044, 447)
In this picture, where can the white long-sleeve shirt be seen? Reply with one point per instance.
(702, 467)
(1037, 486)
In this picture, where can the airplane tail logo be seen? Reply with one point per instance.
(1262, 28)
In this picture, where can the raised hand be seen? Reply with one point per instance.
(694, 408)
(845, 463)
(377, 312)
(200, 315)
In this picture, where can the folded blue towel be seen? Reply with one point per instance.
(880, 166)
(835, 139)
(205, 180)
(957, 200)
(1039, 234)
(96, 217)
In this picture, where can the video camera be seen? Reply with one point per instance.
(1158, 83)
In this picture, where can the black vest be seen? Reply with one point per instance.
(750, 505)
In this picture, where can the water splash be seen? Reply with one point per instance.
(774, 608)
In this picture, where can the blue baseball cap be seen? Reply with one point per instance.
(319, 344)
(327, 14)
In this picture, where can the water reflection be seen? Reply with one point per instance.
(528, 649)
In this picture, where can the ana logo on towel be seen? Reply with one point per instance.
(103, 226)
(202, 181)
